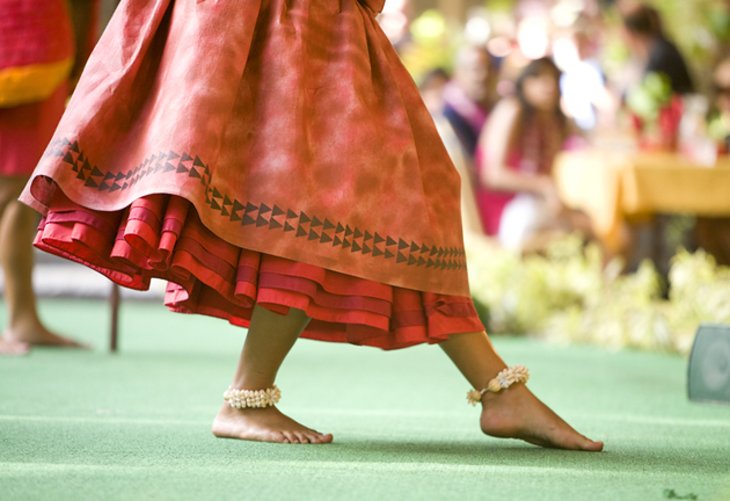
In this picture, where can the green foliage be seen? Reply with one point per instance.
(568, 295)
(500, 5)
(433, 44)
(718, 128)
(699, 293)
(652, 95)
(522, 294)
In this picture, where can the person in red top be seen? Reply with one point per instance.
(36, 61)
(518, 199)
(274, 161)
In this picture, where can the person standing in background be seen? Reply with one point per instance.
(586, 96)
(645, 37)
(518, 199)
(37, 54)
(660, 65)
(469, 97)
(431, 88)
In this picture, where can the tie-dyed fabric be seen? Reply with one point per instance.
(260, 151)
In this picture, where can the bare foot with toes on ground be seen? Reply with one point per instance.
(264, 425)
(517, 413)
(514, 413)
(8, 347)
(19, 339)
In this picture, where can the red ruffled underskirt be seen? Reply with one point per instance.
(161, 236)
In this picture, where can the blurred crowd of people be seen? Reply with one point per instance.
(506, 109)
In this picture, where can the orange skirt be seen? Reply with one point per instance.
(267, 152)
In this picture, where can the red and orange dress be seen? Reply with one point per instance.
(270, 152)
(36, 55)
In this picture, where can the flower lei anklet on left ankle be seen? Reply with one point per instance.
(504, 379)
(243, 399)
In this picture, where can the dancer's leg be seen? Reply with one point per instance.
(8, 346)
(17, 226)
(269, 339)
(515, 412)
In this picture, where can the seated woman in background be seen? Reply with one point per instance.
(517, 198)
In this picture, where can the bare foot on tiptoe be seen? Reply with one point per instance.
(264, 425)
(37, 335)
(13, 348)
(517, 413)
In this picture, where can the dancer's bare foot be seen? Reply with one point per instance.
(264, 425)
(35, 334)
(13, 348)
(517, 413)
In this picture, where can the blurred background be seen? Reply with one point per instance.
(633, 251)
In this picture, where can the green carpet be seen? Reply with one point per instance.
(90, 425)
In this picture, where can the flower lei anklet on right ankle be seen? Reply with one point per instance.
(504, 379)
(243, 399)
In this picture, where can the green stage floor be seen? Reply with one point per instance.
(90, 425)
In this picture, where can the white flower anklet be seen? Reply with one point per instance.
(243, 399)
(505, 378)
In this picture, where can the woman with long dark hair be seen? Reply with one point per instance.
(518, 200)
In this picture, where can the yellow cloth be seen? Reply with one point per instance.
(32, 83)
(613, 187)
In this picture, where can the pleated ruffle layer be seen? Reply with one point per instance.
(161, 236)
